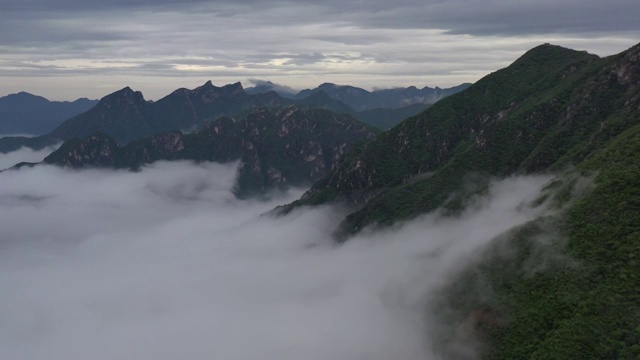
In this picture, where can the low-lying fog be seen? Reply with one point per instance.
(166, 264)
(25, 154)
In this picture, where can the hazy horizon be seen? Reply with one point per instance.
(249, 83)
(71, 49)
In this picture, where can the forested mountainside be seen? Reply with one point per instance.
(554, 111)
(293, 146)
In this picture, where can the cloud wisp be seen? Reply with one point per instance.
(165, 263)
(25, 154)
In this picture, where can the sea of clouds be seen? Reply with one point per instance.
(24, 154)
(166, 263)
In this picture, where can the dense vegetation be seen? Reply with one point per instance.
(566, 286)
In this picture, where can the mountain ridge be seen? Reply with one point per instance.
(26, 113)
(278, 148)
(360, 99)
(126, 115)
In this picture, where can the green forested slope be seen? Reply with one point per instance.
(565, 286)
(549, 109)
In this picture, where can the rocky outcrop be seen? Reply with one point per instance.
(276, 147)
(551, 108)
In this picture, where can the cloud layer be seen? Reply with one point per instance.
(24, 154)
(165, 263)
(90, 48)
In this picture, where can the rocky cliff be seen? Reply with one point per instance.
(277, 148)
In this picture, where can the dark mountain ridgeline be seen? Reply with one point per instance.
(24, 113)
(261, 86)
(126, 116)
(360, 99)
(554, 110)
(293, 146)
(383, 108)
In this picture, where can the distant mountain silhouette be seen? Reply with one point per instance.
(25, 113)
(125, 115)
(261, 86)
(361, 99)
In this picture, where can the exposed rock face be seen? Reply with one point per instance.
(277, 148)
(98, 149)
(126, 116)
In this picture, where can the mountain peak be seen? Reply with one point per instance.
(25, 96)
(233, 89)
(125, 94)
(229, 89)
(327, 85)
(206, 87)
(126, 91)
(548, 54)
(235, 86)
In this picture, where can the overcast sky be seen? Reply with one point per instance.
(88, 48)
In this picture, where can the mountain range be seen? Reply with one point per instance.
(360, 99)
(24, 113)
(125, 115)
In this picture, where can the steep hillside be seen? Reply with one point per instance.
(278, 148)
(566, 286)
(386, 118)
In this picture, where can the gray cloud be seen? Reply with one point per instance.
(301, 42)
(24, 155)
(165, 263)
(304, 59)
